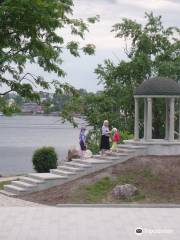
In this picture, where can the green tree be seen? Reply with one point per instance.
(32, 31)
(8, 109)
(47, 106)
(152, 50)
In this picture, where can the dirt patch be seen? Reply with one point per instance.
(156, 177)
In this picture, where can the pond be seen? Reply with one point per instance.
(21, 135)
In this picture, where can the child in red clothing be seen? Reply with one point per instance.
(115, 139)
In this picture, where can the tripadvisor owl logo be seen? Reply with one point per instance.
(139, 230)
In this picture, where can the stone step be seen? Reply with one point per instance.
(117, 154)
(81, 160)
(81, 165)
(7, 193)
(98, 161)
(124, 150)
(70, 169)
(46, 176)
(130, 146)
(62, 173)
(23, 184)
(31, 180)
(15, 189)
(106, 157)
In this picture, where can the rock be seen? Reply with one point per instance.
(88, 154)
(124, 191)
(73, 153)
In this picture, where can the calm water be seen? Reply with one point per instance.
(21, 135)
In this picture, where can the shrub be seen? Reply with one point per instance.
(125, 135)
(44, 159)
(10, 110)
(93, 140)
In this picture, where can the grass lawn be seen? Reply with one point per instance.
(101, 191)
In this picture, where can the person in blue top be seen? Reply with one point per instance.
(82, 141)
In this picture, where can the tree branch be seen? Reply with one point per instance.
(4, 93)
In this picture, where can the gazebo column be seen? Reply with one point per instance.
(136, 119)
(149, 118)
(171, 127)
(145, 118)
(167, 119)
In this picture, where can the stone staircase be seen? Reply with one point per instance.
(69, 171)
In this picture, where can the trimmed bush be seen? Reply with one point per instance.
(44, 159)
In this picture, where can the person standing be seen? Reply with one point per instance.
(105, 145)
(115, 139)
(82, 141)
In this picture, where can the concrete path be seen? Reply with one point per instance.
(68, 223)
(6, 201)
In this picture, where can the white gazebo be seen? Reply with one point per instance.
(148, 90)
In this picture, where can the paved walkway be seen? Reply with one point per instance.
(6, 201)
(68, 223)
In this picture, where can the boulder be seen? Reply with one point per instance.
(124, 191)
(73, 153)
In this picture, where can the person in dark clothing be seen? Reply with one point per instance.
(105, 145)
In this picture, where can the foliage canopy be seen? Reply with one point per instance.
(152, 50)
(32, 31)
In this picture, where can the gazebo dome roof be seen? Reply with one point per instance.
(158, 87)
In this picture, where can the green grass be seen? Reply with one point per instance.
(101, 190)
(98, 190)
(4, 183)
(128, 178)
(149, 175)
(136, 198)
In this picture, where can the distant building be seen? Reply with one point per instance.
(32, 108)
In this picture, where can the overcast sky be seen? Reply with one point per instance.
(80, 71)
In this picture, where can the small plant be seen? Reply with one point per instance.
(44, 159)
(93, 141)
(125, 135)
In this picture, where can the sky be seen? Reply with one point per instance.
(80, 71)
